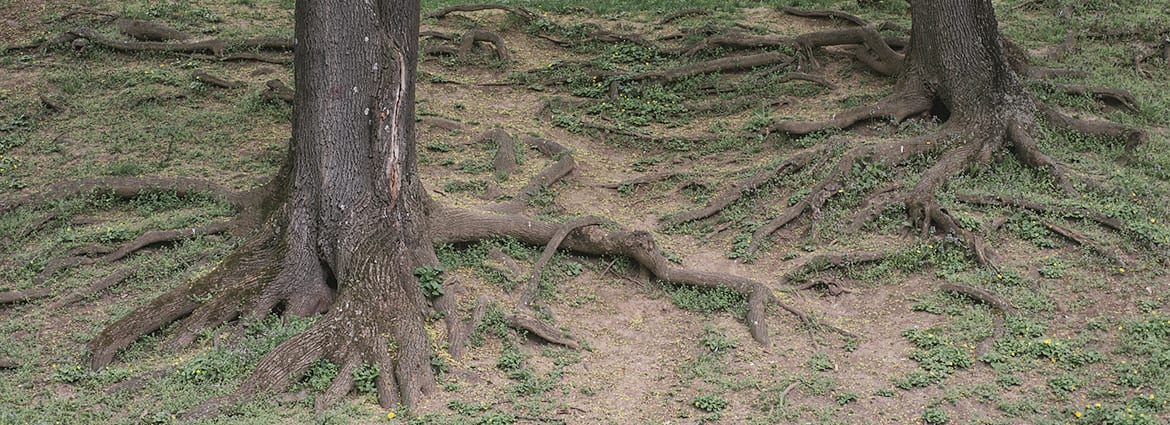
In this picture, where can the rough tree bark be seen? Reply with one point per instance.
(347, 218)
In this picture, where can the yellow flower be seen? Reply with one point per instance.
(1077, 414)
(1121, 270)
(1047, 341)
(390, 415)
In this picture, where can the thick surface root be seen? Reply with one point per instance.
(743, 188)
(550, 175)
(898, 106)
(890, 153)
(594, 240)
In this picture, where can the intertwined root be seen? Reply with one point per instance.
(959, 144)
(274, 271)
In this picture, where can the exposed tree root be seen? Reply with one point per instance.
(519, 12)
(683, 14)
(784, 394)
(540, 329)
(204, 77)
(749, 186)
(875, 51)
(825, 13)
(1161, 51)
(996, 303)
(150, 31)
(504, 162)
(728, 64)
(822, 262)
(643, 180)
(1025, 148)
(873, 205)
(9, 297)
(35, 227)
(898, 106)
(596, 241)
(1008, 201)
(470, 38)
(442, 123)
(212, 46)
(53, 104)
(163, 236)
(1117, 97)
(277, 90)
(550, 249)
(834, 288)
(1132, 136)
(553, 173)
(893, 153)
(83, 11)
(98, 286)
(245, 56)
(1082, 240)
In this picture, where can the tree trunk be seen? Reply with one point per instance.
(957, 55)
(346, 219)
(357, 203)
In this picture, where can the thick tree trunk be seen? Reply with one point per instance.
(346, 219)
(957, 55)
(356, 206)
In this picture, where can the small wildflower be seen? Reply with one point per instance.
(1077, 414)
(1121, 269)
(390, 415)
